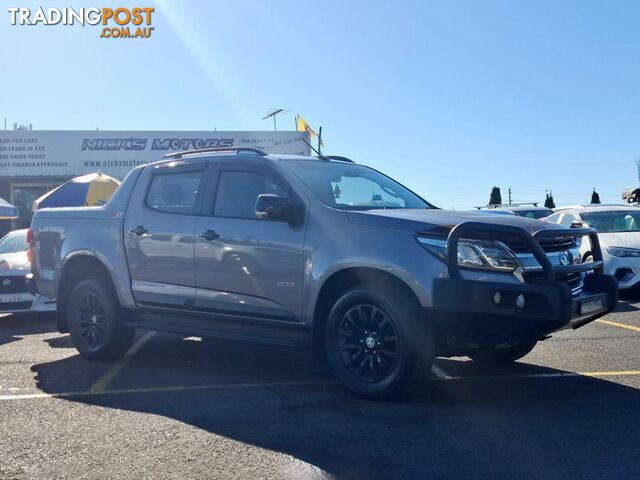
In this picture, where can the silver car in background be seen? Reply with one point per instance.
(15, 277)
(618, 228)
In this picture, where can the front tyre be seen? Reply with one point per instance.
(96, 323)
(373, 343)
(502, 356)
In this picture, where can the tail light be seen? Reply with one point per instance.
(30, 243)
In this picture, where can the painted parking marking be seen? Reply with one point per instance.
(440, 373)
(169, 389)
(309, 383)
(508, 376)
(619, 325)
(104, 381)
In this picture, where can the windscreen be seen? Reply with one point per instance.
(348, 186)
(14, 242)
(613, 220)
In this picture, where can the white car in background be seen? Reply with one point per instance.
(15, 275)
(618, 228)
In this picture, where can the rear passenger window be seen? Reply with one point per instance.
(238, 191)
(555, 218)
(174, 192)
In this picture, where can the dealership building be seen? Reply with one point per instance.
(32, 162)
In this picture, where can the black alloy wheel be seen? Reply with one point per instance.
(374, 336)
(91, 318)
(96, 322)
(368, 342)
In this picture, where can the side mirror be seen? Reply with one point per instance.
(282, 209)
(579, 224)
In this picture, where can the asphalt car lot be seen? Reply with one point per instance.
(183, 408)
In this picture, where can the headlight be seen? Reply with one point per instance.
(623, 252)
(475, 254)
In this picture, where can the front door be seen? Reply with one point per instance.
(159, 232)
(244, 265)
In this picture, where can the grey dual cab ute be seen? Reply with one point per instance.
(311, 252)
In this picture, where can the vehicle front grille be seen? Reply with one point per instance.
(574, 280)
(554, 248)
(549, 246)
(16, 284)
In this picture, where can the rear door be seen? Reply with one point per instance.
(247, 266)
(159, 232)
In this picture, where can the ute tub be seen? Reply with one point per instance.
(489, 313)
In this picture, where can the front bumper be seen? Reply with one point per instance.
(626, 270)
(488, 313)
(476, 313)
(28, 303)
(23, 299)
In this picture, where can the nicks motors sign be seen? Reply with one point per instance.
(162, 144)
(29, 153)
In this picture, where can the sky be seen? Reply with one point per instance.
(448, 97)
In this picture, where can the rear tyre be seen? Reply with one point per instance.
(502, 356)
(373, 343)
(96, 322)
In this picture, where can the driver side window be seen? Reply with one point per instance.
(238, 191)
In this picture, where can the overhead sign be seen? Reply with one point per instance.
(25, 153)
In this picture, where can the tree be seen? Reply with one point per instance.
(595, 198)
(496, 197)
(548, 202)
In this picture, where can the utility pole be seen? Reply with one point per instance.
(509, 195)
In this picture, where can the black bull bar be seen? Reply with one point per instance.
(531, 241)
(550, 305)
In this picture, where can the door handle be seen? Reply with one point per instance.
(209, 235)
(139, 230)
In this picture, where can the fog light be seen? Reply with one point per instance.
(497, 298)
(623, 275)
(520, 301)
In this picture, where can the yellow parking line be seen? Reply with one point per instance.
(104, 381)
(303, 383)
(511, 376)
(183, 388)
(622, 373)
(439, 373)
(619, 325)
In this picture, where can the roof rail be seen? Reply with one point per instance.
(238, 150)
(338, 157)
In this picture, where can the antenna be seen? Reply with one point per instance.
(272, 114)
(312, 148)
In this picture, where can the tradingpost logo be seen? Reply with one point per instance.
(117, 22)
